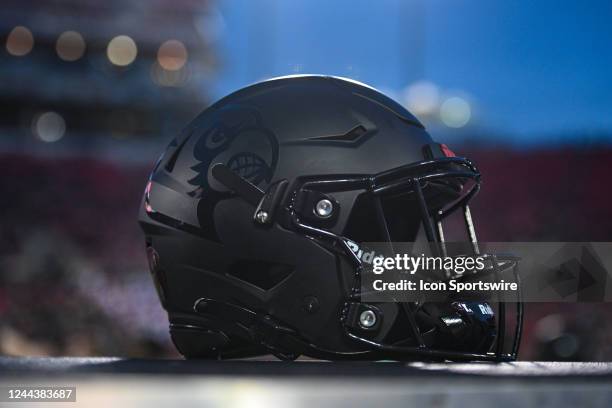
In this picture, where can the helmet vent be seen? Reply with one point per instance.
(262, 274)
(351, 136)
(354, 137)
(172, 161)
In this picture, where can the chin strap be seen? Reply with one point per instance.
(239, 185)
(282, 341)
(259, 329)
(266, 203)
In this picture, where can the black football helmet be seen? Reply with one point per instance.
(255, 214)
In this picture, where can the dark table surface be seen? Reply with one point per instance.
(90, 365)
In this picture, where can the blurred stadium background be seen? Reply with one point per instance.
(91, 92)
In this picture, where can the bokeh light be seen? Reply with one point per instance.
(20, 41)
(422, 98)
(49, 127)
(172, 55)
(166, 78)
(121, 50)
(455, 112)
(70, 46)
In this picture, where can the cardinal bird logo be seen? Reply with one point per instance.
(237, 138)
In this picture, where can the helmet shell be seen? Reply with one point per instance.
(203, 237)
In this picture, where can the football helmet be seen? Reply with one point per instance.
(255, 214)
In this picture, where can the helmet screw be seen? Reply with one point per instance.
(324, 208)
(367, 319)
(261, 217)
(310, 304)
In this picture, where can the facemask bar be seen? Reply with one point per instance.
(414, 176)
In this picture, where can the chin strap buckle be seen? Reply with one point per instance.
(269, 203)
(317, 207)
(362, 316)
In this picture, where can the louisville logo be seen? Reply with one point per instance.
(236, 137)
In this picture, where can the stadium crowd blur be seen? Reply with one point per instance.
(90, 94)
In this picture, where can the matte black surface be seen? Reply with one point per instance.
(325, 138)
